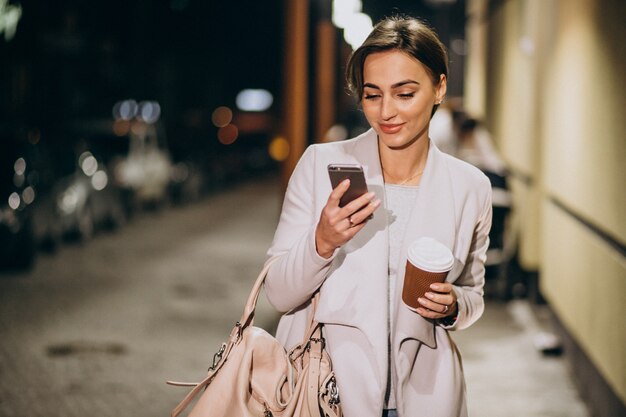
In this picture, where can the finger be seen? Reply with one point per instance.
(424, 312)
(441, 287)
(439, 298)
(364, 214)
(357, 204)
(429, 314)
(338, 192)
(353, 229)
(438, 308)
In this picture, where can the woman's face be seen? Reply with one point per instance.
(398, 97)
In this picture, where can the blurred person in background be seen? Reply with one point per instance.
(443, 126)
(476, 147)
(389, 360)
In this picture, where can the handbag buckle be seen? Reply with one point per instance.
(315, 340)
(239, 327)
(217, 357)
(333, 391)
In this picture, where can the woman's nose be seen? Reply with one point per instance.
(387, 109)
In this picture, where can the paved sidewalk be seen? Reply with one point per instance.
(506, 374)
(95, 330)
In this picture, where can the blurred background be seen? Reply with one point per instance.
(145, 146)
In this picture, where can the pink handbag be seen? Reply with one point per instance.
(252, 375)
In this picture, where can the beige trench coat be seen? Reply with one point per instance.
(454, 207)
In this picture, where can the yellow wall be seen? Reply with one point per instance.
(476, 61)
(513, 83)
(555, 100)
(585, 281)
(585, 150)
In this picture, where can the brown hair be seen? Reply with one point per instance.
(405, 34)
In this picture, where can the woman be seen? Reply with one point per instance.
(386, 356)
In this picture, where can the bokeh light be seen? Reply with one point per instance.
(254, 100)
(458, 46)
(28, 195)
(149, 111)
(88, 163)
(279, 148)
(222, 116)
(125, 110)
(358, 28)
(10, 15)
(227, 134)
(20, 166)
(138, 128)
(336, 133)
(347, 15)
(121, 127)
(99, 180)
(343, 11)
(14, 201)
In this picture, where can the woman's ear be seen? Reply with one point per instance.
(441, 88)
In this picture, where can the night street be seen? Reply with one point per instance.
(97, 329)
(145, 147)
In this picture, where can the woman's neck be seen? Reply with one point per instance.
(404, 166)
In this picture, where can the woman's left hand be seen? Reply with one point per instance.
(438, 303)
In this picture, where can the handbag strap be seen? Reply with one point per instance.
(198, 387)
(314, 329)
(247, 318)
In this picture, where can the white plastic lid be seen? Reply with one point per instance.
(430, 255)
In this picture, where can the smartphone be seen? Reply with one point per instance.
(353, 172)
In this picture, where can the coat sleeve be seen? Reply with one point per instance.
(299, 270)
(469, 286)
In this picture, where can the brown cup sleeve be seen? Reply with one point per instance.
(417, 283)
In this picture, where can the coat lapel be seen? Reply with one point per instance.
(433, 216)
(377, 256)
(356, 295)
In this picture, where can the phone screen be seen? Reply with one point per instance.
(358, 186)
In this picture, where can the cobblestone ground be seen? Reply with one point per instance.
(95, 330)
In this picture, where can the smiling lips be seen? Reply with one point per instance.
(390, 128)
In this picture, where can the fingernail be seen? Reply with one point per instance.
(435, 286)
(375, 203)
(370, 195)
(421, 300)
(346, 181)
(429, 295)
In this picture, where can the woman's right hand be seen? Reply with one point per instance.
(337, 225)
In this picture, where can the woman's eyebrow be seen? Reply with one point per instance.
(370, 85)
(404, 82)
(395, 85)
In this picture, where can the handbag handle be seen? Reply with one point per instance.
(247, 318)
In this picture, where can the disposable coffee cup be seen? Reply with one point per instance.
(428, 261)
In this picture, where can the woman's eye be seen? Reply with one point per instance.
(370, 96)
(406, 95)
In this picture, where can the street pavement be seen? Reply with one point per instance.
(97, 329)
